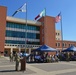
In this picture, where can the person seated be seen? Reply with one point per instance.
(56, 58)
(37, 58)
(52, 58)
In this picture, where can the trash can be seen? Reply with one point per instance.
(23, 64)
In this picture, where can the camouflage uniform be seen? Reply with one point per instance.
(11, 57)
(17, 59)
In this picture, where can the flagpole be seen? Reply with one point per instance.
(44, 23)
(25, 35)
(26, 29)
(23, 61)
(61, 31)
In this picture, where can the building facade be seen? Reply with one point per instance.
(17, 35)
(58, 35)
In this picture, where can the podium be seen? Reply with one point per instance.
(23, 63)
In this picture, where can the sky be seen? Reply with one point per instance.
(53, 7)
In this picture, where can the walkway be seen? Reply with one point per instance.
(60, 68)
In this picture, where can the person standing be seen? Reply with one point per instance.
(67, 56)
(17, 60)
(11, 57)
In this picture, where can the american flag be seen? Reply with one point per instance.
(58, 18)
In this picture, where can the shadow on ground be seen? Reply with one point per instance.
(8, 71)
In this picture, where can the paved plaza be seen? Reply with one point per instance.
(60, 68)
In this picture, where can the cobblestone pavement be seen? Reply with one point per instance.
(60, 68)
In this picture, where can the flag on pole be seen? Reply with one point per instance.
(41, 14)
(21, 9)
(58, 18)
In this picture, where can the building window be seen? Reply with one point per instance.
(69, 45)
(58, 34)
(58, 38)
(63, 44)
(22, 26)
(22, 34)
(57, 44)
(21, 42)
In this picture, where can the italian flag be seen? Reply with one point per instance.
(41, 14)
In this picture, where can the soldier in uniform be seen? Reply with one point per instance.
(67, 56)
(17, 60)
(11, 57)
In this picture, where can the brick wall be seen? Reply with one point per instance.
(2, 27)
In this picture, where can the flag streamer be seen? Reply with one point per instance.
(21, 9)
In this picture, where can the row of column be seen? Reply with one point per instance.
(19, 49)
